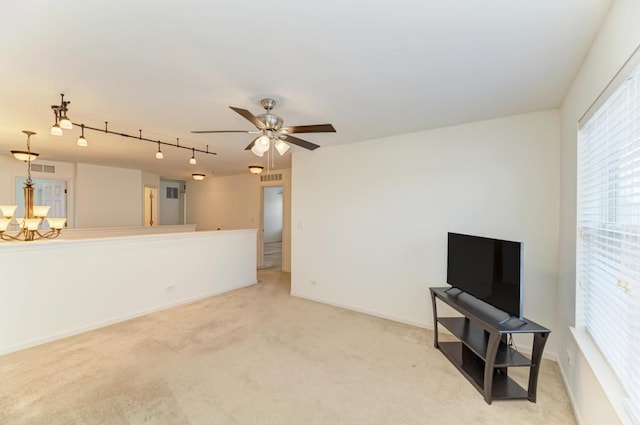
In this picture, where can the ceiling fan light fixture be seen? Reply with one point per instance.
(256, 169)
(281, 147)
(256, 151)
(263, 142)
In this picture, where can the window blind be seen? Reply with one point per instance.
(608, 246)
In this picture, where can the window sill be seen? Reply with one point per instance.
(603, 373)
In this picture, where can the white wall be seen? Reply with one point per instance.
(102, 281)
(150, 180)
(233, 202)
(272, 219)
(229, 202)
(370, 220)
(617, 39)
(108, 196)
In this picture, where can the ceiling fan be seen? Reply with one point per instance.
(270, 128)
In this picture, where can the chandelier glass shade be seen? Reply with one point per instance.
(34, 215)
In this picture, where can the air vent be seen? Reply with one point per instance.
(172, 193)
(271, 177)
(40, 168)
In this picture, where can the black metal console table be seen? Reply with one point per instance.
(481, 353)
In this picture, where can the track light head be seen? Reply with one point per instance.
(81, 140)
(159, 154)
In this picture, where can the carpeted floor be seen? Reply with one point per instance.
(256, 356)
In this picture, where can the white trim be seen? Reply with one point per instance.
(603, 373)
(549, 355)
(424, 325)
(572, 398)
(630, 64)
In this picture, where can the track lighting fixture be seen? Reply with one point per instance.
(159, 154)
(55, 128)
(198, 176)
(81, 140)
(61, 121)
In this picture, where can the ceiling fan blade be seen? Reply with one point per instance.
(318, 128)
(249, 116)
(296, 141)
(219, 131)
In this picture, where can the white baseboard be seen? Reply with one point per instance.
(365, 311)
(567, 388)
(549, 355)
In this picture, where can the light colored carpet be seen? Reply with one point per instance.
(256, 356)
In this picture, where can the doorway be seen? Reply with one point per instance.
(272, 221)
(150, 206)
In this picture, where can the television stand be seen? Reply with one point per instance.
(481, 353)
(510, 318)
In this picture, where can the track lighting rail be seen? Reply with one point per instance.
(139, 137)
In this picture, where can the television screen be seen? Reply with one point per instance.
(488, 269)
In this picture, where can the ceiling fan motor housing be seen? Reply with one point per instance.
(271, 122)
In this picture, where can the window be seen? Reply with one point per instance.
(608, 248)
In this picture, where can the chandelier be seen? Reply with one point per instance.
(34, 215)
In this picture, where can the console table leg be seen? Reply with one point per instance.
(435, 320)
(492, 350)
(539, 340)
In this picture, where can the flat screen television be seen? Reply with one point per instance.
(488, 269)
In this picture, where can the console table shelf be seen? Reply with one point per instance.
(481, 353)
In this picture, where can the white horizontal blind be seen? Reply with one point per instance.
(608, 246)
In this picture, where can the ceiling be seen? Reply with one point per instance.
(371, 68)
